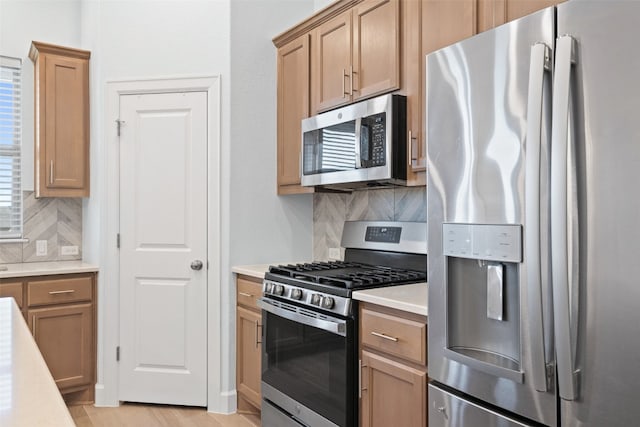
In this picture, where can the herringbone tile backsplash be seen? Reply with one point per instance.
(331, 210)
(58, 221)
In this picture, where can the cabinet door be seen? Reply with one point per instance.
(12, 289)
(492, 13)
(249, 334)
(393, 394)
(331, 46)
(376, 48)
(65, 160)
(65, 338)
(412, 88)
(293, 106)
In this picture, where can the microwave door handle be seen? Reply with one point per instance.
(357, 143)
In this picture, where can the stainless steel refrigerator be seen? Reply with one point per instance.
(534, 221)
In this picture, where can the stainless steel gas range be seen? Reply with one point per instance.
(310, 326)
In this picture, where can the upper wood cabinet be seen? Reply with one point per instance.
(360, 48)
(293, 106)
(356, 55)
(61, 120)
(492, 13)
(332, 43)
(427, 26)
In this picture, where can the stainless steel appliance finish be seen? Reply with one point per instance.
(412, 236)
(596, 294)
(310, 371)
(304, 316)
(359, 145)
(292, 413)
(454, 411)
(506, 149)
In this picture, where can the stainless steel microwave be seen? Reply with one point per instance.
(360, 145)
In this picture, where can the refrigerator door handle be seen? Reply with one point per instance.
(565, 59)
(539, 65)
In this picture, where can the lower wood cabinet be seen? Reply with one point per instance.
(12, 289)
(393, 368)
(64, 335)
(248, 344)
(393, 394)
(61, 313)
(248, 374)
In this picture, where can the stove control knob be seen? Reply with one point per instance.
(268, 288)
(296, 294)
(278, 290)
(328, 302)
(315, 299)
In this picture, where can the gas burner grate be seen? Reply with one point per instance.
(347, 275)
(292, 269)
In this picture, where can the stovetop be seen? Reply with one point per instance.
(377, 254)
(327, 286)
(348, 275)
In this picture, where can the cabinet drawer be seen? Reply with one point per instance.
(59, 291)
(14, 290)
(248, 292)
(394, 335)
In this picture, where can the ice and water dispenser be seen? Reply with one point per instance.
(483, 297)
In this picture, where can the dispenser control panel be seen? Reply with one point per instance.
(489, 242)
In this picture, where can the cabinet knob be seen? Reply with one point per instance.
(196, 265)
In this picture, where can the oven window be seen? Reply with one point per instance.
(310, 365)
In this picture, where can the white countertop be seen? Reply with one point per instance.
(28, 394)
(255, 270)
(27, 269)
(411, 298)
(258, 270)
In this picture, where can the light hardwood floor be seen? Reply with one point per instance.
(139, 415)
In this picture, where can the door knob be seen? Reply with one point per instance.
(196, 265)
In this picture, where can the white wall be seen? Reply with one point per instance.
(321, 4)
(22, 21)
(265, 228)
(149, 39)
(144, 39)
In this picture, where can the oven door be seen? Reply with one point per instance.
(310, 358)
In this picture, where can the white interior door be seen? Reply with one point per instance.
(163, 234)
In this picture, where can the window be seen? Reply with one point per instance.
(10, 136)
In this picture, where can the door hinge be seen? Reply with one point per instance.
(117, 353)
(118, 240)
(119, 123)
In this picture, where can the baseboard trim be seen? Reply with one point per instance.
(225, 404)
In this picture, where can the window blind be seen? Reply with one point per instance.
(10, 141)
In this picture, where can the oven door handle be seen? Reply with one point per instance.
(329, 324)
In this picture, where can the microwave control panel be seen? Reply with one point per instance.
(372, 141)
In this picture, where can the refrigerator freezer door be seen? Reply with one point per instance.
(603, 227)
(477, 138)
(450, 410)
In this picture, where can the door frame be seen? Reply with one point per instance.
(107, 387)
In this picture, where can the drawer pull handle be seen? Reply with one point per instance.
(244, 294)
(386, 337)
(68, 291)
